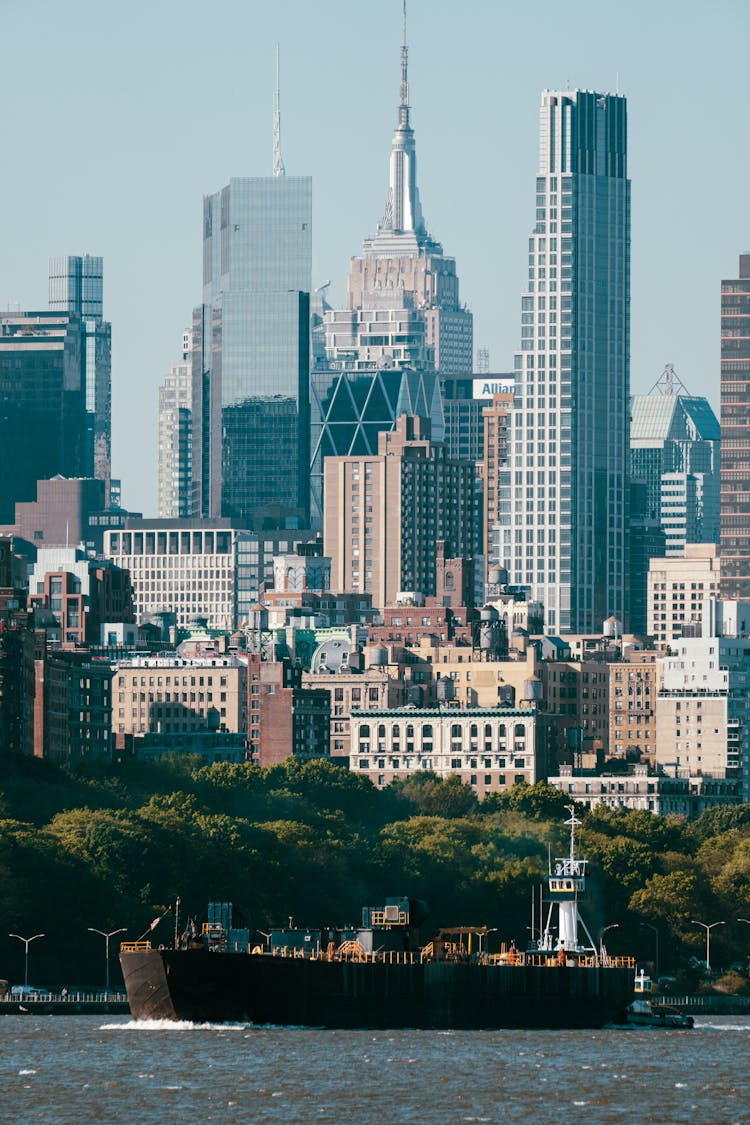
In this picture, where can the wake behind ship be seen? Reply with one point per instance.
(379, 975)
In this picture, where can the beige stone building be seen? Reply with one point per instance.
(377, 688)
(632, 707)
(642, 789)
(679, 590)
(692, 711)
(490, 749)
(384, 514)
(168, 695)
(476, 681)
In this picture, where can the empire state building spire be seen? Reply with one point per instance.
(403, 212)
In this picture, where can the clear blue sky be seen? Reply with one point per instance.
(118, 118)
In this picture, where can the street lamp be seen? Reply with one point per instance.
(486, 935)
(27, 942)
(648, 926)
(106, 937)
(612, 926)
(707, 927)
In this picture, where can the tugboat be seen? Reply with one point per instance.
(642, 1013)
(380, 974)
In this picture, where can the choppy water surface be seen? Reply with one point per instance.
(99, 1069)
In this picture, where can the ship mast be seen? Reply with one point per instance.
(566, 884)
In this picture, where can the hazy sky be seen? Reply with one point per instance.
(118, 118)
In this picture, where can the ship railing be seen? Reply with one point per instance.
(135, 946)
(350, 951)
(381, 918)
(516, 958)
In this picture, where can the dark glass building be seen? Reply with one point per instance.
(251, 350)
(42, 403)
(76, 285)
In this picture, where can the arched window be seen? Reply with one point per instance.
(473, 731)
(456, 730)
(488, 730)
(410, 731)
(501, 731)
(381, 730)
(520, 730)
(449, 579)
(364, 730)
(427, 730)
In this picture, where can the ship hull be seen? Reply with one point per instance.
(242, 987)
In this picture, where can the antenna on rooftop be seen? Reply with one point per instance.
(669, 383)
(278, 163)
(404, 65)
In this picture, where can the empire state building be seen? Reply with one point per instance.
(403, 306)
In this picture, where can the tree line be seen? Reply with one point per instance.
(108, 848)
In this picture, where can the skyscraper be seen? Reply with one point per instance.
(42, 403)
(403, 307)
(386, 513)
(176, 438)
(251, 348)
(350, 409)
(735, 434)
(674, 450)
(565, 535)
(76, 285)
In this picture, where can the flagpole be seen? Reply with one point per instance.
(155, 923)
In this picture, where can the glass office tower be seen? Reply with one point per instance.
(42, 408)
(567, 488)
(76, 285)
(251, 351)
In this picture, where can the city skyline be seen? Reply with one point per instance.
(134, 198)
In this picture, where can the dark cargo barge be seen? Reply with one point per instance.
(379, 975)
(265, 989)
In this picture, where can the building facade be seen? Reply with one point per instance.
(187, 567)
(43, 418)
(489, 749)
(351, 409)
(284, 718)
(680, 591)
(692, 711)
(176, 438)
(61, 513)
(633, 686)
(496, 472)
(735, 433)
(171, 695)
(384, 515)
(565, 534)
(72, 706)
(675, 451)
(659, 793)
(76, 285)
(251, 350)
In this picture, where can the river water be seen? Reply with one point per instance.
(105, 1069)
